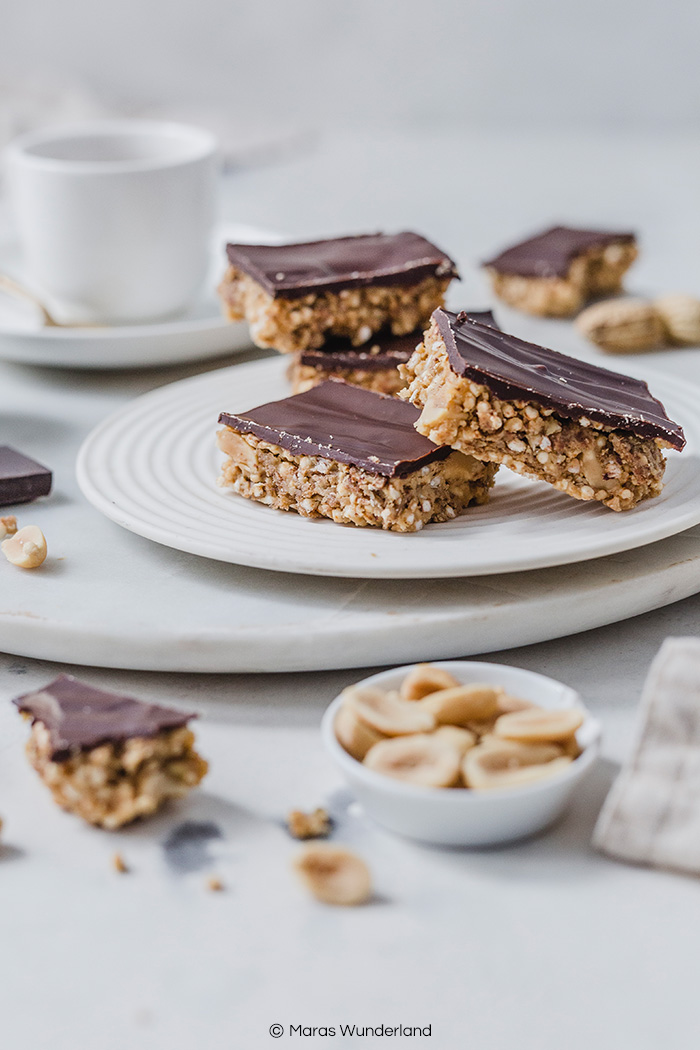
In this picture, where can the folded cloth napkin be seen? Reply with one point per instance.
(652, 813)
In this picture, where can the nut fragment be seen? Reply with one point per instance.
(26, 548)
(493, 767)
(680, 316)
(387, 713)
(622, 325)
(425, 679)
(334, 874)
(426, 759)
(8, 526)
(462, 704)
(119, 864)
(316, 825)
(540, 724)
(214, 884)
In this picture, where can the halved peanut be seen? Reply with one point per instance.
(492, 767)
(425, 679)
(523, 753)
(353, 734)
(571, 746)
(458, 737)
(425, 759)
(387, 713)
(334, 874)
(26, 548)
(508, 703)
(540, 724)
(462, 704)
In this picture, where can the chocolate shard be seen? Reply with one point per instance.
(294, 270)
(515, 369)
(345, 423)
(550, 254)
(21, 479)
(79, 717)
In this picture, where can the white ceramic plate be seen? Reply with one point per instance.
(152, 467)
(199, 334)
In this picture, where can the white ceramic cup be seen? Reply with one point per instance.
(115, 217)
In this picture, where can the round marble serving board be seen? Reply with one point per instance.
(107, 597)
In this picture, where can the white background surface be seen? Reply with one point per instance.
(615, 64)
(539, 945)
(529, 111)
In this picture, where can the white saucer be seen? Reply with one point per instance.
(200, 333)
(152, 467)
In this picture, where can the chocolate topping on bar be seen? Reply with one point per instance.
(551, 253)
(346, 423)
(21, 479)
(293, 270)
(514, 369)
(78, 716)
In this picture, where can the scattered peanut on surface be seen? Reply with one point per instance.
(680, 316)
(334, 874)
(622, 326)
(26, 549)
(8, 526)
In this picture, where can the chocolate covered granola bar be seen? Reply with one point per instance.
(342, 452)
(295, 296)
(594, 434)
(107, 757)
(373, 366)
(555, 273)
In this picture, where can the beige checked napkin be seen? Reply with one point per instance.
(652, 813)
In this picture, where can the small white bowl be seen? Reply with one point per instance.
(460, 817)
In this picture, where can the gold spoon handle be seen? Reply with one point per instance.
(12, 287)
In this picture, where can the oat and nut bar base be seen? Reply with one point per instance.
(342, 452)
(373, 366)
(295, 296)
(107, 757)
(555, 273)
(589, 432)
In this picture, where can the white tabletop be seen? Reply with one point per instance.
(545, 942)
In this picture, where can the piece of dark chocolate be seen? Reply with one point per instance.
(294, 270)
(550, 254)
(515, 369)
(79, 717)
(346, 423)
(21, 479)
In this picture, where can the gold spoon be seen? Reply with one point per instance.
(18, 291)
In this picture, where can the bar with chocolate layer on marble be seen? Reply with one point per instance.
(590, 432)
(342, 452)
(296, 296)
(107, 757)
(556, 272)
(373, 366)
(21, 479)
